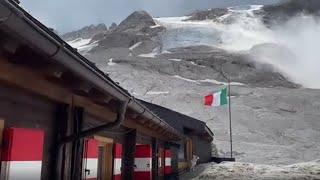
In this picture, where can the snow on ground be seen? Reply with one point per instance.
(177, 60)
(248, 171)
(155, 26)
(83, 45)
(195, 64)
(241, 30)
(135, 46)
(110, 62)
(213, 81)
(185, 79)
(157, 92)
(153, 54)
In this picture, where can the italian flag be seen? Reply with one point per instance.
(216, 99)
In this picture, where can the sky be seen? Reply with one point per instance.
(68, 15)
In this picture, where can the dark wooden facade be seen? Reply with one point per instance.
(46, 84)
(197, 135)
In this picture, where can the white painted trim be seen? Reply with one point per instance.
(168, 161)
(142, 164)
(17, 170)
(117, 166)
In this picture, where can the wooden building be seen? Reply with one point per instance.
(197, 137)
(63, 118)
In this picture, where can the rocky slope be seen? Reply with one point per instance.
(85, 32)
(270, 14)
(175, 62)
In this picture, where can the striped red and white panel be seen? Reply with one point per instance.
(90, 161)
(168, 167)
(117, 154)
(143, 162)
(22, 154)
(161, 162)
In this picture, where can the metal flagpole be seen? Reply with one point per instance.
(229, 87)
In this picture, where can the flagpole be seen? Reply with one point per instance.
(229, 89)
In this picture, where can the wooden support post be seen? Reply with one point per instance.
(155, 159)
(128, 155)
(77, 146)
(60, 128)
(1, 135)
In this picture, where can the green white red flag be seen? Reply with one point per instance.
(216, 99)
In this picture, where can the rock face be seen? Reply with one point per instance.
(138, 32)
(136, 22)
(208, 14)
(86, 32)
(113, 26)
(275, 14)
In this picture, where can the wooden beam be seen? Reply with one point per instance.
(128, 155)
(144, 129)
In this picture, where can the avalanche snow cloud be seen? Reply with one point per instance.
(291, 48)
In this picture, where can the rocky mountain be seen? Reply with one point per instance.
(284, 11)
(85, 32)
(175, 62)
(270, 14)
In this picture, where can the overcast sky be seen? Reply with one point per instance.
(68, 15)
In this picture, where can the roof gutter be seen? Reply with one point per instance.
(15, 19)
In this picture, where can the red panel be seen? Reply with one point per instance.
(117, 154)
(143, 151)
(22, 144)
(168, 153)
(117, 150)
(142, 175)
(208, 100)
(92, 148)
(117, 177)
(143, 156)
(167, 170)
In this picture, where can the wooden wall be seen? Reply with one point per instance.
(23, 110)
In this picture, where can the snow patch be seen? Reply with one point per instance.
(155, 26)
(82, 45)
(177, 60)
(135, 45)
(195, 64)
(238, 170)
(213, 81)
(110, 62)
(153, 54)
(185, 79)
(157, 92)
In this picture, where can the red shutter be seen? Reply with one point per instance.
(168, 167)
(90, 161)
(143, 162)
(117, 154)
(22, 154)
